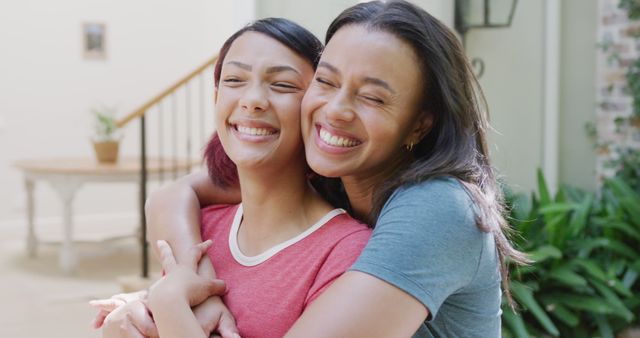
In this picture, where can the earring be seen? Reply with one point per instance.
(409, 146)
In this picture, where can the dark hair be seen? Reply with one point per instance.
(222, 170)
(456, 145)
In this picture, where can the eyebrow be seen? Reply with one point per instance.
(270, 70)
(367, 79)
(240, 64)
(278, 69)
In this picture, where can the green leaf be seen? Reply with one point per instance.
(603, 326)
(545, 198)
(544, 252)
(525, 297)
(561, 312)
(629, 199)
(553, 228)
(629, 278)
(623, 227)
(618, 306)
(515, 323)
(565, 275)
(595, 271)
(565, 315)
(607, 243)
(592, 304)
(635, 265)
(558, 207)
(580, 216)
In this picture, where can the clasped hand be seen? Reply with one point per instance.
(129, 315)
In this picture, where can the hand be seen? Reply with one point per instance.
(106, 306)
(131, 320)
(213, 315)
(181, 281)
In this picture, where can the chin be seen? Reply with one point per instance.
(325, 168)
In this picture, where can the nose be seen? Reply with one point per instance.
(254, 99)
(340, 108)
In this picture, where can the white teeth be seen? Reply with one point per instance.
(336, 141)
(255, 131)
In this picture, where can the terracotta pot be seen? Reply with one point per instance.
(106, 151)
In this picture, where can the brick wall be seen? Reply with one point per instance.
(618, 49)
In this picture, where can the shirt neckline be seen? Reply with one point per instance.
(260, 258)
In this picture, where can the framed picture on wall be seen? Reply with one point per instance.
(94, 41)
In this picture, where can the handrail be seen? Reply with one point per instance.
(142, 109)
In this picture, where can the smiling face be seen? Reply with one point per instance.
(258, 101)
(363, 104)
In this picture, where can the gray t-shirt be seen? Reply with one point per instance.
(426, 243)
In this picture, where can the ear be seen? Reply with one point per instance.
(421, 128)
(215, 94)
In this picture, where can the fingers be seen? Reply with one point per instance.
(99, 320)
(227, 326)
(142, 320)
(128, 330)
(107, 304)
(196, 253)
(215, 287)
(167, 259)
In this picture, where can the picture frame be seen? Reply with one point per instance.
(94, 41)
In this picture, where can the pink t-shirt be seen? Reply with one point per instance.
(268, 292)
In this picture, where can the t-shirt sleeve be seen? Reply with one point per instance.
(341, 257)
(425, 242)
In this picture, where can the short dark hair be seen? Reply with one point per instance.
(456, 145)
(222, 170)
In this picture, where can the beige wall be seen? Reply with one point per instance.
(317, 15)
(512, 83)
(514, 86)
(47, 88)
(577, 92)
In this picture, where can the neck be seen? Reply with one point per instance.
(360, 188)
(278, 205)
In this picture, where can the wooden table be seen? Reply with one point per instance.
(67, 175)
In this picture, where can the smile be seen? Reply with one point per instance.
(337, 141)
(255, 131)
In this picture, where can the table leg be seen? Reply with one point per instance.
(32, 240)
(67, 190)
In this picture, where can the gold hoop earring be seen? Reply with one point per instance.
(409, 146)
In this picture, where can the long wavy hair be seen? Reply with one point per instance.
(456, 145)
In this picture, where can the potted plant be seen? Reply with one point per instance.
(106, 139)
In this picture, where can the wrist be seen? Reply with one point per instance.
(163, 296)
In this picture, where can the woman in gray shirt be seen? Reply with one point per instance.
(395, 112)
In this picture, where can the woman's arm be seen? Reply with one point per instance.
(173, 211)
(360, 305)
(171, 298)
(173, 215)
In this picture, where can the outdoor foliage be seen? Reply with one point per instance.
(585, 279)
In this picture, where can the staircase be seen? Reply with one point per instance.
(174, 126)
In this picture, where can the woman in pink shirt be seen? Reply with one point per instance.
(284, 244)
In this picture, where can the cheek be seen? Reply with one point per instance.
(310, 101)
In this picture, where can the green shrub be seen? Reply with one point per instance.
(584, 281)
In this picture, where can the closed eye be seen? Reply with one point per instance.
(231, 81)
(373, 99)
(324, 82)
(285, 85)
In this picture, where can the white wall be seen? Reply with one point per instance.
(47, 88)
(317, 15)
(513, 85)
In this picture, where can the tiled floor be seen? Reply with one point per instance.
(38, 300)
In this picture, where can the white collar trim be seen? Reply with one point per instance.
(255, 260)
